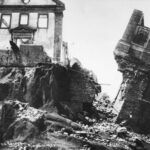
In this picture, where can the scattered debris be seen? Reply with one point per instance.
(50, 129)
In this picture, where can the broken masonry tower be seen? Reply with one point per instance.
(132, 54)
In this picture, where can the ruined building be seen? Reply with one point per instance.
(33, 25)
(34, 29)
(132, 54)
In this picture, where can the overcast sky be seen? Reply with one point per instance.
(92, 29)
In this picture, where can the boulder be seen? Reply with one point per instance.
(19, 121)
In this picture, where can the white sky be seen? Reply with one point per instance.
(92, 29)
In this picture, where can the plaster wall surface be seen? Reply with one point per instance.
(15, 20)
(4, 39)
(33, 20)
(45, 37)
(50, 38)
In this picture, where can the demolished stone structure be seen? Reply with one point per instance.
(26, 70)
(132, 54)
(33, 25)
(52, 87)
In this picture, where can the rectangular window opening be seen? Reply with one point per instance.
(43, 21)
(24, 18)
(5, 21)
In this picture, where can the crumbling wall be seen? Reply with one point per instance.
(11, 83)
(134, 109)
(83, 88)
(33, 54)
(58, 36)
(49, 87)
(29, 55)
(132, 56)
(52, 87)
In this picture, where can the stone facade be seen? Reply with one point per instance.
(132, 54)
(32, 22)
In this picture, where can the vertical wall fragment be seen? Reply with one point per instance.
(58, 36)
(132, 54)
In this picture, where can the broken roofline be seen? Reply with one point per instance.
(59, 3)
(135, 40)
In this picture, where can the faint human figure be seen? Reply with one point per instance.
(14, 47)
(16, 51)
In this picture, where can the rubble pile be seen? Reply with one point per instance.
(83, 88)
(52, 106)
(36, 102)
(104, 107)
(34, 129)
(30, 123)
(52, 87)
(45, 125)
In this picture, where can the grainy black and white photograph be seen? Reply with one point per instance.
(74, 75)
